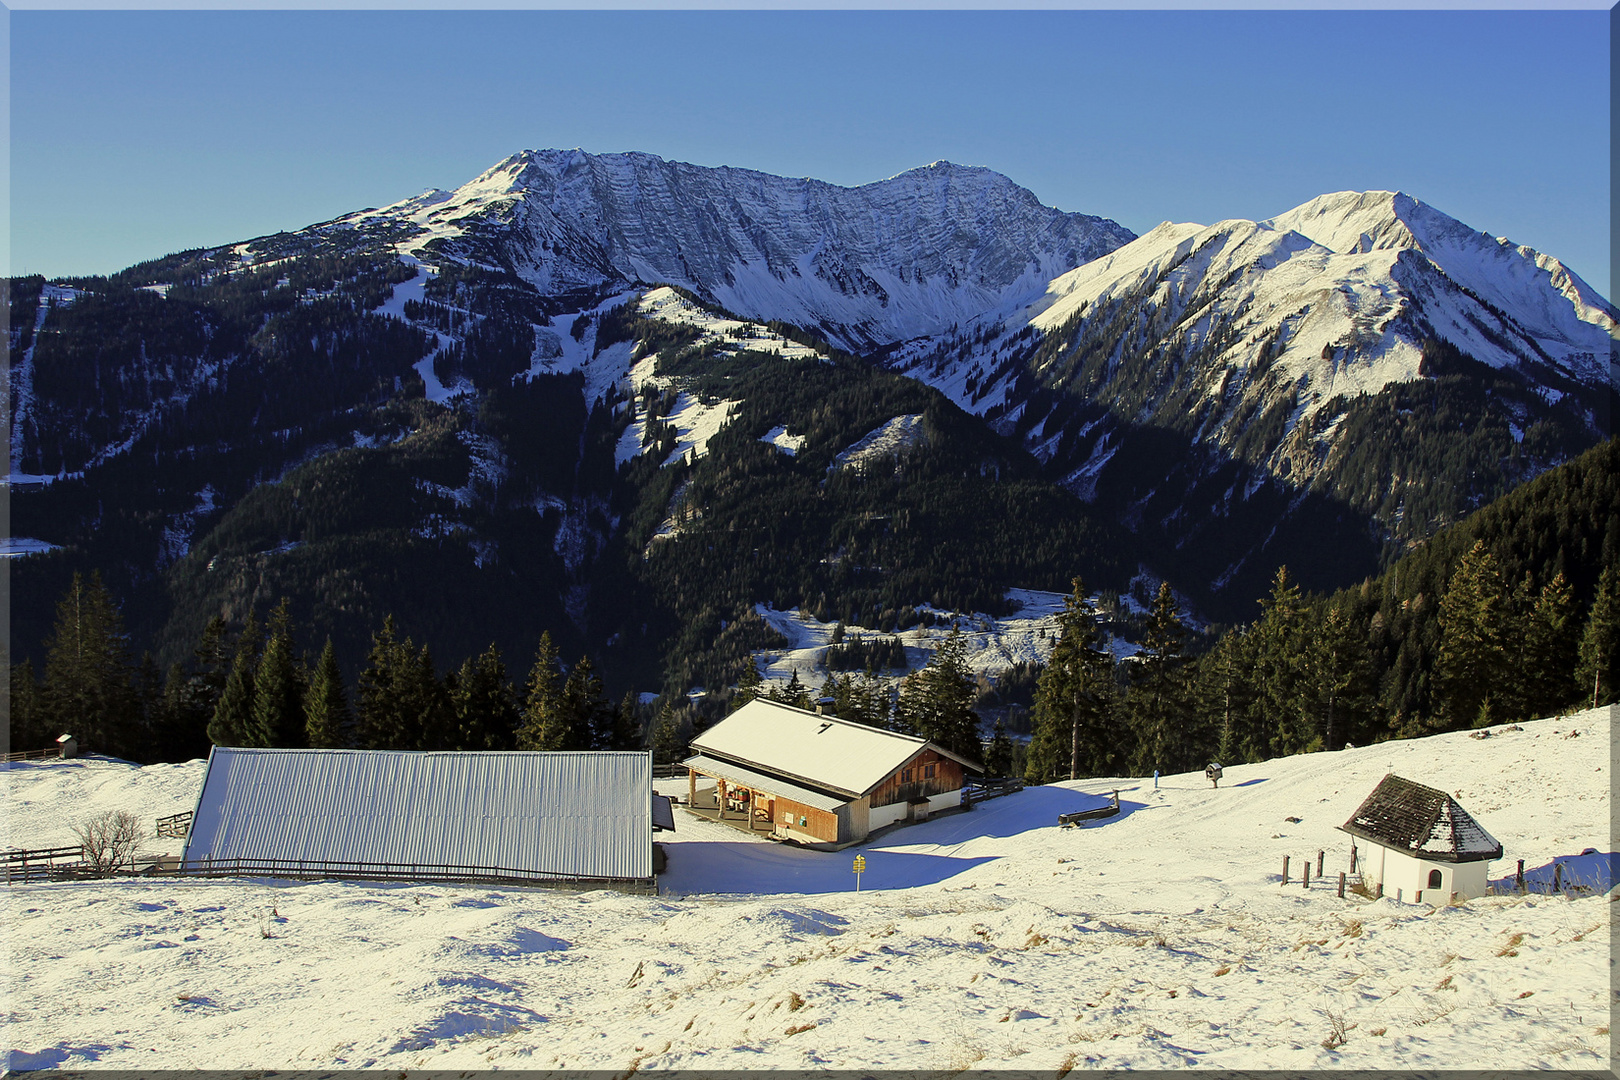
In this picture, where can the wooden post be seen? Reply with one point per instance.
(1305, 879)
(1285, 869)
(1352, 856)
(1341, 884)
(691, 788)
(1380, 890)
(1558, 877)
(1518, 877)
(720, 799)
(1320, 855)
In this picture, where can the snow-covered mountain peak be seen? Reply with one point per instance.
(882, 262)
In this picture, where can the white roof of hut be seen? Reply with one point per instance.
(529, 815)
(823, 751)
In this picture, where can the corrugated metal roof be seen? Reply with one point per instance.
(817, 749)
(775, 785)
(1421, 820)
(555, 815)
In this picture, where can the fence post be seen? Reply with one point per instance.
(1352, 856)
(1558, 877)
(1518, 877)
(1305, 879)
(1320, 855)
(1380, 890)
(1341, 884)
(1285, 869)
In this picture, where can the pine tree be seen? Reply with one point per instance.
(937, 701)
(426, 715)
(233, 714)
(278, 688)
(30, 725)
(748, 687)
(627, 729)
(1340, 675)
(584, 709)
(543, 724)
(486, 715)
(1077, 732)
(668, 745)
(1280, 711)
(1472, 665)
(998, 753)
(1550, 650)
(794, 693)
(326, 709)
(1158, 703)
(1597, 672)
(1225, 690)
(88, 686)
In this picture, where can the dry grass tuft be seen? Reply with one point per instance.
(1035, 940)
(1351, 929)
(1222, 970)
(1526, 994)
(1338, 1031)
(1375, 1032)
(1066, 1068)
(794, 1001)
(1512, 946)
(797, 1029)
(1445, 984)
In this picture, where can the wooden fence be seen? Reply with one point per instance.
(991, 789)
(175, 825)
(316, 870)
(36, 755)
(42, 864)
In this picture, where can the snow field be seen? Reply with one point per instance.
(1159, 938)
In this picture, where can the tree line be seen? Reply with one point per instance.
(255, 688)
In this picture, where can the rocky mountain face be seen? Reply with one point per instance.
(870, 265)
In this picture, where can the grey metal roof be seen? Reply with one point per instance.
(1421, 821)
(549, 815)
(775, 785)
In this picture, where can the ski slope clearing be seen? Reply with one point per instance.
(1159, 938)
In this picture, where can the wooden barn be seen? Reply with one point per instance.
(818, 780)
(1425, 845)
(579, 818)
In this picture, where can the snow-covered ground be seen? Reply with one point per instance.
(1159, 938)
(993, 644)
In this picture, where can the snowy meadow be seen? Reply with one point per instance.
(1162, 937)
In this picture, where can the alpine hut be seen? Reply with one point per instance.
(818, 780)
(583, 818)
(1425, 846)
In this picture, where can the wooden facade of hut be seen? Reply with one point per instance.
(821, 781)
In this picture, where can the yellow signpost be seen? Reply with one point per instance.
(860, 865)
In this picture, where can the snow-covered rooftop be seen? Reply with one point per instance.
(822, 751)
(1423, 821)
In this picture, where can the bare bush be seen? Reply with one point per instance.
(108, 841)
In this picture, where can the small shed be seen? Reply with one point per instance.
(821, 781)
(525, 817)
(1425, 845)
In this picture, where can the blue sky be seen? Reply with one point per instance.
(135, 134)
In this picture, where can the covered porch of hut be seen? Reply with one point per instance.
(759, 804)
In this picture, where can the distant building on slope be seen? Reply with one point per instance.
(821, 781)
(578, 818)
(1425, 846)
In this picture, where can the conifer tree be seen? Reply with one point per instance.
(1281, 708)
(1340, 675)
(278, 687)
(427, 717)
(1158, 704)
(1077, 732)
(668, 746)
(998, 753)
(1597, 673)
(626, 732)
(1473, 656)
(88, 685)
(1225, 689)
(585, 711)
(1551, 642)
(486, 715)
(233, 714)
(29, 723)
(326, 708)
(377, 720)
(937, 701)
(748, 687)
(543, 724)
